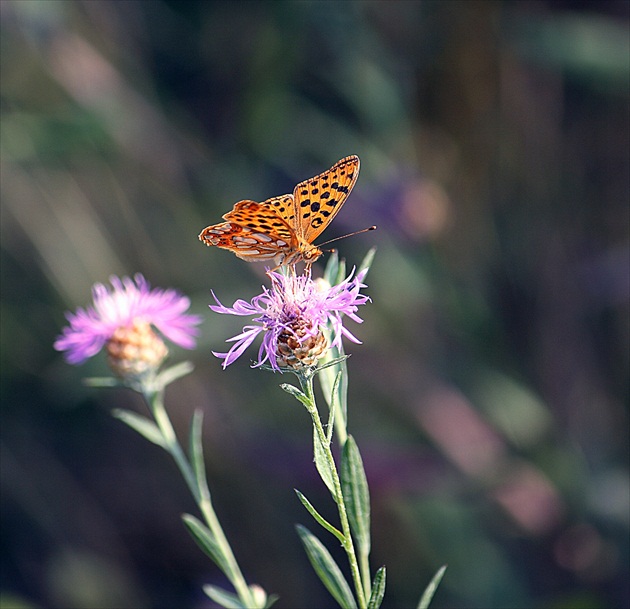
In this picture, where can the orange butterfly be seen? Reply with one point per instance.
(283, 228)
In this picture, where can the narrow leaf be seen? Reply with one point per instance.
(333, 407)
(356, 494)
(99, 381)
(341, 272)
(427, 595)
(271, 599)
(145, 427)
(327, 569)
(378, 590)
(366, 263)
(321, 463)
(319, 518)
(223, 597)
(205, 540)
(196, 453)
(332, 268)
(167, 376)
(335, 392)
(296, 393)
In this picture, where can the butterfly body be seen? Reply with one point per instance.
(283, 228)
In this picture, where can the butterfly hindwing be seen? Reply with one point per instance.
(252, 231)
(319, 199)
(262, 218)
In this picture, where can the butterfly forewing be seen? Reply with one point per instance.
(318, 199)
(284, 207)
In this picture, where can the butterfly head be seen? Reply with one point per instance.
(310, 254)
(307, 253)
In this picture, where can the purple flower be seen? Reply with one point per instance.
(292, 317)
(127, 306)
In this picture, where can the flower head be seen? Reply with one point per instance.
(292, 316)
(122, 320)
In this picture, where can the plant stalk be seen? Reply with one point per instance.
(348, 544)
(155, 401)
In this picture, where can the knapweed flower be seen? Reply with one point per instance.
(122, 320)
(293, 317)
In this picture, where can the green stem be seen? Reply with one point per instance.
(201, 495)
(348, 544)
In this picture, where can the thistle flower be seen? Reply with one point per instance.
(292, 317)
(122, 320)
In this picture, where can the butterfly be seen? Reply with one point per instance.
(283, 228)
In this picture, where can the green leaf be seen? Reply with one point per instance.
(196, 453)
(335, 391)
(205, 540)
(366, 263)
(356, 494)
(341, 272)
(427, 595)
(378, 590)
(321, 462)
(333, 409)
(167, 376)
(223, 597)
(101, 381)
(271, 599)
(145, 427)
(319, 518)
(326, 569)
(332, 268)
(296, 393)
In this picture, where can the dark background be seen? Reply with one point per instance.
(490, 394)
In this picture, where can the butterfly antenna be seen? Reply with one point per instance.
(365, 230)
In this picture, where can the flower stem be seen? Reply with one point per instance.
(201, 495)
(348, 544)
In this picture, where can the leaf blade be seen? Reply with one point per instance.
(145, 427)
(196, 453)
(378, 589)
(429, 591)
(205, 540)
(327, 569)
(356, 494)
(319, 518)
(223, 597)
(321, 463)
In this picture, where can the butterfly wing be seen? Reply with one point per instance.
(318, 200)
(253, 231)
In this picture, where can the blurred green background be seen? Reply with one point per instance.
(490, 395)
